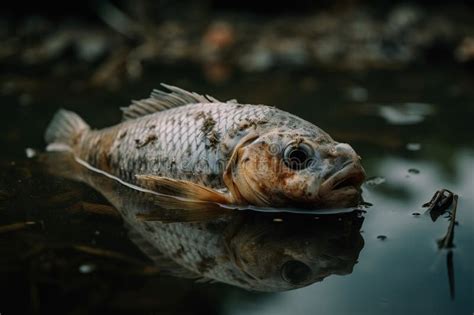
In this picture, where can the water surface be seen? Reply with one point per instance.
(413, 130)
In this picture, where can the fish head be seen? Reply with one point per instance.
(293, 253)
(284, 168)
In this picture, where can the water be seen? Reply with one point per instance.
(398, 121)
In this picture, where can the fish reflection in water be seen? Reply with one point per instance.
(251, 250)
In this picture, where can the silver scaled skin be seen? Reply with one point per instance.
(200, 149)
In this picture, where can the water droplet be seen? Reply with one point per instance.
(375, 181)
(413, 171)
(382, 237)
(86, 268)
(413, 146)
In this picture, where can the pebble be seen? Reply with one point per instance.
(413, 146)
(30, 153)
(86, 268)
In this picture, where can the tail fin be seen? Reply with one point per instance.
(63, 130)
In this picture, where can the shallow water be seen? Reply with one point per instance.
(412, 128)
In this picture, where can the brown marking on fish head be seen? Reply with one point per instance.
(288, 169)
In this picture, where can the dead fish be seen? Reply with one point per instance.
(200, 149)
(246, 249)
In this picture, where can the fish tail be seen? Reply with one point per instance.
(64, 130)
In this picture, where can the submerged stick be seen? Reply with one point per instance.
(447, 241)
(15, 226)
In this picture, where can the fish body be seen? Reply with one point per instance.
(250, 250)
(181, 157)
(199, 149)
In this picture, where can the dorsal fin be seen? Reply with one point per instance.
(161, 100)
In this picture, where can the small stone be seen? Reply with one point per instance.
(30, 153)
(86, 268)
(413, 146)
(413, 171)
(416, 214)
(358, 94)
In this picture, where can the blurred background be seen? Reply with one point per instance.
(392, 78)
(108, 44)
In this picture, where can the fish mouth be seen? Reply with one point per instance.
(347, 181)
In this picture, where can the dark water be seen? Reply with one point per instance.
(412, 128)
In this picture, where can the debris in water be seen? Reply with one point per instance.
(358, 94)
(413, 146)
(439, 203)
(100, 209)
(416, 214)
(406, 113)
(375, 181)
(447, 240)
(382, 237)
(413, 171)
(447, 243)
(15, 226)
(86, 268)
(30, 153)
(277, 220)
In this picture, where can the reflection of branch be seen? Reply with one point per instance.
(438, 205)
(447, 241)
(450, 265)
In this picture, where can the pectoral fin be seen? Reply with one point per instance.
(182, 188)
(185, 195)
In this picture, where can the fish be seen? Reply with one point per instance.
(265, 252)
(199, 149)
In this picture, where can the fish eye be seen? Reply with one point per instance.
(297, 156)
(295, 272)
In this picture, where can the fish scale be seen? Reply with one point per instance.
(177, 146)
